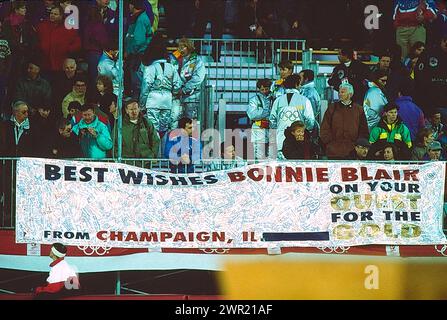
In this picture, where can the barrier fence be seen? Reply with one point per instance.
(8, 176)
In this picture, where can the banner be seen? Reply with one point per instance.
(275, 204)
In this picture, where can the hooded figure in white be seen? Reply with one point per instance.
(192, 73)
(160, 83)
(289, 108)
(375, 99)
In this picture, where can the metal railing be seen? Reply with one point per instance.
(234, 65)
(8, 175)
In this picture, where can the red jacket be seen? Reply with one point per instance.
(56, 44)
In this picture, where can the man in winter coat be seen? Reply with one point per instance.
(140, 139)
(343, 124)
(56, 42)
(94, 135)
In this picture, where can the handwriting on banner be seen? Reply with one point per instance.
(391, 198)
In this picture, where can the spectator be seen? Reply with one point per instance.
(95, 40)
(353, 70)
(289, 108)
(140, 139)
(17, 137)
(108, 109)
(411, 115)
(390, 152)
(61, 273)
(423, 139)
(392, 129)
(108, 67)
(375, 98)
(138, 37)
(213, 11)
(343, 124)
(41, 11)
(361, 149)
(431, 79)
(409, 18)
(180, 16)
(77, 94)
(434, 122)
(398, 75)
(160, 82)
(228, 158)
(192, 74)
(63, 82)
(94, 135)
(412, 59)
(103, 87)
(55, 41)
(307, 89)
(258, 112)
(292, 22)
(384, 64)
(5, 68)
(297, 145)
(21, 36)
(33, 88)
(44, 127)
(74, 109)
(182, 149)
(285, 70)
(435, 151)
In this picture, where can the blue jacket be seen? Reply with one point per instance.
(139, 34)
(308, 90)
(411, 115)
(373, 105)
(178, 144)
(95, 148)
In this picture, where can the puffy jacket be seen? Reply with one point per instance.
(192, 73)
(259, 109)
(285, 111)
(56, 43)
(406, 12)
(160, 81)
(396, 133)
(373, 105)
(308, 90)
(95, 148)
(109, 68)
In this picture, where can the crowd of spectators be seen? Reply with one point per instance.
(59, 85)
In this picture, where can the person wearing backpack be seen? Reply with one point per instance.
(161, 82)
(288, 108)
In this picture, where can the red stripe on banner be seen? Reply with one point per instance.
(8, 246)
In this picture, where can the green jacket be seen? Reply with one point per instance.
(398, 132)
(140, 140)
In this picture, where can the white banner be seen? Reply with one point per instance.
(320, 204)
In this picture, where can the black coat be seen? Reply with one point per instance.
(8, 148)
